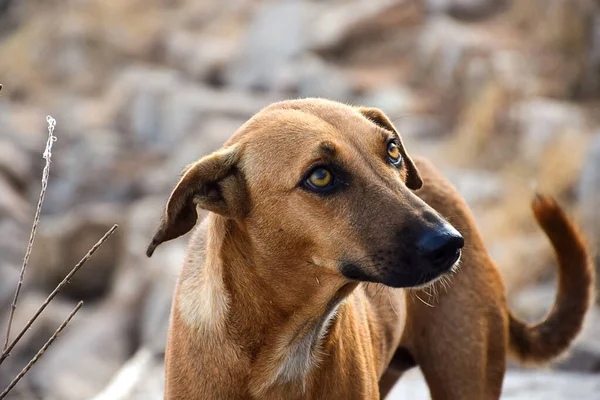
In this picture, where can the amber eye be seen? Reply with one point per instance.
(320, 178)
(394, 154)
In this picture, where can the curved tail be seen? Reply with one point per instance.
(548, 339)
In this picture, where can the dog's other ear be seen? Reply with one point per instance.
(375, 115)
(213, 183)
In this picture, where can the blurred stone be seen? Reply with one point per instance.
(453, 56)
(24, 125)
(63, 241)
(468, 9)
(137, 96)
(15, 164)
(210, 134)
(9, 276)
(318, 79)
(141, 220)
(83, 361)
(476, 187)
(522, 259)
(156, 309)
(589, 199)
(396, 102)
(361, 31)
(15, 236)
(86, 165)
(544, 385)
(518, 385)
(533, 304)
(421, 127)
(140, 378)
(157, 108)
(46, 324)
(161, 271)
(201, 58)
(542, 121)
(12, 204)
(275, 37)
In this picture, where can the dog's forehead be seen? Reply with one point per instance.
(281, 142)
(285, 129)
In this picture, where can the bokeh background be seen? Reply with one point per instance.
(503, 96)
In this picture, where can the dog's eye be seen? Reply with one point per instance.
(394, 154)
(320, 178)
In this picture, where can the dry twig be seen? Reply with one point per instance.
(58, 288)
(47, 155)
(41, 352)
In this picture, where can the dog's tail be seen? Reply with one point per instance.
(548, 339)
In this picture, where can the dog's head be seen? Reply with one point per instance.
(322, 185)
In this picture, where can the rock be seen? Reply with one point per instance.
(157, 108)
(9, 276)
(15, 237)
(15, 164)
(533, 303)
(83, 361)
(468, 9)
(210, 134)
(275, 37)
(274, 55)
(454, 56)
(518, 385)
(140, 378)
(316, 78)
(12, 205)
(550, 386)
(24, 126)
(62, 241)
(137, 95)
(39, 333)
(85, 166)
(476, 187)
(200, 58)
(156, 309)
(522, 259)
(161, 271)
(360, 31)
(543, 121)
(421, 127)
(589, 199)
(395, 101)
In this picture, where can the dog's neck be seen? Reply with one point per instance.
(281, 321)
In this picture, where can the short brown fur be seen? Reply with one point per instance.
(262, 311)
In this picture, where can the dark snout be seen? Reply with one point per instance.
(419, 254)
(439, 248)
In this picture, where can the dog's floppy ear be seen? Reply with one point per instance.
(213, 183)
(375, 115)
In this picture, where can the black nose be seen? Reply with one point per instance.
(440, 248)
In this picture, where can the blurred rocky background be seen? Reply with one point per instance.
(503, 95)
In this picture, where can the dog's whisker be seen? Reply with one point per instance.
(423, 301)
(391, 304)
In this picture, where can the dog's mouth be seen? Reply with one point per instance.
(402, 274)
(431, 278)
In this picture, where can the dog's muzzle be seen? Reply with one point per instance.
(440, 248)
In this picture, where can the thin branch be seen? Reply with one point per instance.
(41, 352)
(58, 288)
(47, 155)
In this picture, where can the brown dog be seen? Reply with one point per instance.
(285, 291)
